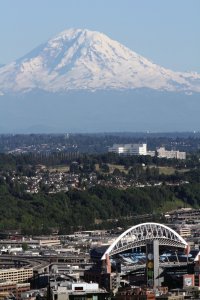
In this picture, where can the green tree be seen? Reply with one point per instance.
(24, 246)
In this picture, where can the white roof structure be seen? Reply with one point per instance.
(139, 235)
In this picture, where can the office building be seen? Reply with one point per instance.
(16, 275)
(163, 153)
(129, 149)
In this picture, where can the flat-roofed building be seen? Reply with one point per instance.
(10, 288)
(47, 241)
(129, 149)
(81, 290)
(16, 275)
(39, 241)
(184, 231)
(163, 153)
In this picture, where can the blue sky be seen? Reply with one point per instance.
(164, 31)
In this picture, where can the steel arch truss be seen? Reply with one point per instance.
(140, 235)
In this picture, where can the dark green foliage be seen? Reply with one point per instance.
(79, 209)
(41, 212)
(24, 246)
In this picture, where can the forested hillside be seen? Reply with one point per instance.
(85, 209)
(104, 191)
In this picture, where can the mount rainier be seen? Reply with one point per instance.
(82, 81)
(87, 60)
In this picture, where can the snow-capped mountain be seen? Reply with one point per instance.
(79, 59)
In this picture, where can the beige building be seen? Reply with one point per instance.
(8, 288)
(184, 232)
(16, 275)
(163, 153)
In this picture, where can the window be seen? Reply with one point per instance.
(78, 288)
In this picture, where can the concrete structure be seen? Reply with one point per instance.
(135, 294)
(150, 235)
(49, 241)
(82, 290)
(129, 149)
(152, 264)
(8, 288)
(142, 235)
(37, 242)
(33, 295)
(100, 272)
(151, 153)
(197, 264)
(184, 231)
(16, 275)
(163, 153)
(182, 215)
(139, 235)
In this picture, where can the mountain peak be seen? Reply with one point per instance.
(80, 59)
(84, 34)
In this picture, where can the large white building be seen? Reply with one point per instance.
(84, 291)
(129, 149)
(162, 152)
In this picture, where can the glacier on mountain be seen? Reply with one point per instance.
(79, 59)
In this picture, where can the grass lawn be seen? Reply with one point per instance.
(167, 170)
(171, 170)
(59, 169)
(119, 167)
